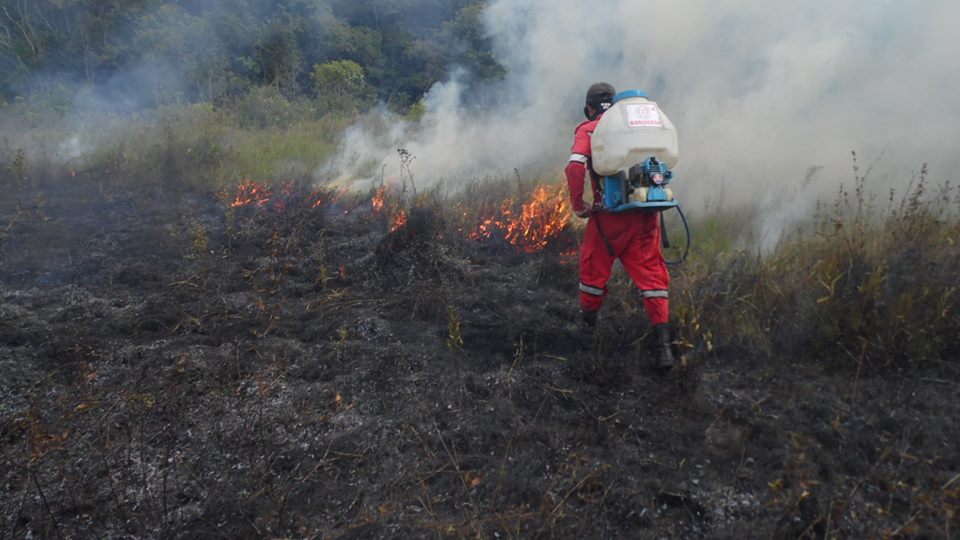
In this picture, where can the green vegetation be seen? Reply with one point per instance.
(340, 85)
(198, 144)
(208, 92)
(218, 50)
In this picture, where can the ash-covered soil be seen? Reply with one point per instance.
(171, 368)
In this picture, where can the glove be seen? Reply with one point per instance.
(587, 211)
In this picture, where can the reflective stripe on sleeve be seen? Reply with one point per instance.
(580, 158)
(657, 293)
(591, 290)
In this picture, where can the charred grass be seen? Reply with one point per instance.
(175, 366)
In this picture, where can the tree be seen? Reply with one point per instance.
(341, 85)
(216, 50)
(472, 48)
(279, 58)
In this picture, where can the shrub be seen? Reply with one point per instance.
(341, 86)
(265, 107)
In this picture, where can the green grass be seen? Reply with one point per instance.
(191, 144)
(294, 152)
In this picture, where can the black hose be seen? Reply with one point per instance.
(606, 242)
(664, 238)
(686, 227)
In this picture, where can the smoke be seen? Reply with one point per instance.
(64, 118)
(760, 92)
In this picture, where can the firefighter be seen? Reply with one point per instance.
(632, 237)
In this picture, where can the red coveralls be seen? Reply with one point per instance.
(634, 238)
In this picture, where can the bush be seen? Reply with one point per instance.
(341, 86)
(265, 107)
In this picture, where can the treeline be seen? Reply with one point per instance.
(342, 53)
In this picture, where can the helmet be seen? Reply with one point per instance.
(599, 98)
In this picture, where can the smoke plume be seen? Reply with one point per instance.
(760, 93)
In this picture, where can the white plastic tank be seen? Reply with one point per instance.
(631, 131)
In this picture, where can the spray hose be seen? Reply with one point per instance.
(606, 241)
(664, 237)
(665, 240)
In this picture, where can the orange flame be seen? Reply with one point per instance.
(540, 220)
(379, 198)
(397, 216)
(250, 192)
(398, 220)
(322, 196)
(492, 224)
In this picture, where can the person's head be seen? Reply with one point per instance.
(599, 99)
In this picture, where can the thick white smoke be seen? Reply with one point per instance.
(760, 92)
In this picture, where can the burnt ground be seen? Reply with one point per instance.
(169, 368)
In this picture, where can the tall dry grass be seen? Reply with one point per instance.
(862, 283)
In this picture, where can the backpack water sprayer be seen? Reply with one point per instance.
(634, 148)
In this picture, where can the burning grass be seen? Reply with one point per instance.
(529, 224)
(848, 288)
(540, 220)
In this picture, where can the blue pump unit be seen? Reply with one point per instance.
(642, 188)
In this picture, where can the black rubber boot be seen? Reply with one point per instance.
(662, 348)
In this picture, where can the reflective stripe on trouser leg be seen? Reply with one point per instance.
(591, 298)
(655, 293)
(657, 305)
(591, 290)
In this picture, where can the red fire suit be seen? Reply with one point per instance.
(632, 237)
